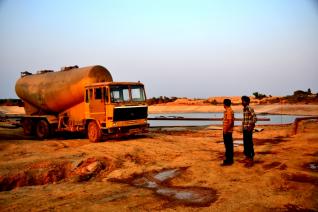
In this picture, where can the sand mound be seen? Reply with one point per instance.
(12, 110)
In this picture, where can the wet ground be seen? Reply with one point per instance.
(159, 183)
(167, 169)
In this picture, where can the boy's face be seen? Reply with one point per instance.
(244, 103)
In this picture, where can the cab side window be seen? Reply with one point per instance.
(98, 93)
(105, 93)
(86, 96)
(90, 94)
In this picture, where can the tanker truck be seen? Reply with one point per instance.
(81, 100)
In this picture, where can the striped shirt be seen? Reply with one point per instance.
(228, 120)
(249, 117)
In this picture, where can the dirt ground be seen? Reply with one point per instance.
(168, 169)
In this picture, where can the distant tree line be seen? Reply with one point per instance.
(11, 102)
(259, 95)
(302, 96)
(160, 100)
(298, 96)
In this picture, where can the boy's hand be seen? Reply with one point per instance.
(250, 128)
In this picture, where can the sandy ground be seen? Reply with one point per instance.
(118, 175)
(68, 174)
(11, 110)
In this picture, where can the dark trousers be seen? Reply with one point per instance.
(228, 142)
(248, 144)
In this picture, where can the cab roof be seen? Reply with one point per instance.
(100, 84)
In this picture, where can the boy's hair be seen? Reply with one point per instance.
(227, 102)
(246, 99)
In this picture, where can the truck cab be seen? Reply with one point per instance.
(115, 109)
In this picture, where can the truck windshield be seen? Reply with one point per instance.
(137, 93)
(125, 93)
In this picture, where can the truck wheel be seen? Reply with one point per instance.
(28, 126)
(42, 129)
(94, 133)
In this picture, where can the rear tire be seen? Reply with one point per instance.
(94, 133)
(28, 126)
(42, 129)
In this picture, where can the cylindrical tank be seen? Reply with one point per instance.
(54, 92)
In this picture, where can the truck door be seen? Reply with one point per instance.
(97, 103)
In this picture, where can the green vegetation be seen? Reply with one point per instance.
(259, 95)
(160, 100)
(214, 102)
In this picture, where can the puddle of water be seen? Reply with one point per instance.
(177, 194)
(145, 183)
(189, 196)
(313, 166)
(238, 142)
(192, 196)
(166, 175)
(186, 195)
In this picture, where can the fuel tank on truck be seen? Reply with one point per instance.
(53, 92)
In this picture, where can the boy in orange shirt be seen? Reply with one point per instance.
(228, 124)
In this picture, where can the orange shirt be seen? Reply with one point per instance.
(228, 120)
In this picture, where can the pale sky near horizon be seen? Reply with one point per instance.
(183, 48)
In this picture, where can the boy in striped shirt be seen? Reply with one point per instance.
(248, 124)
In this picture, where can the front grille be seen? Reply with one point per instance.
(130, 113)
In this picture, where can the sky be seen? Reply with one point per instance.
(182, 48)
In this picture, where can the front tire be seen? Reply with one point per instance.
(94, 133)
(42, 129)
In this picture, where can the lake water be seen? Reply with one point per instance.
(274, 119)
